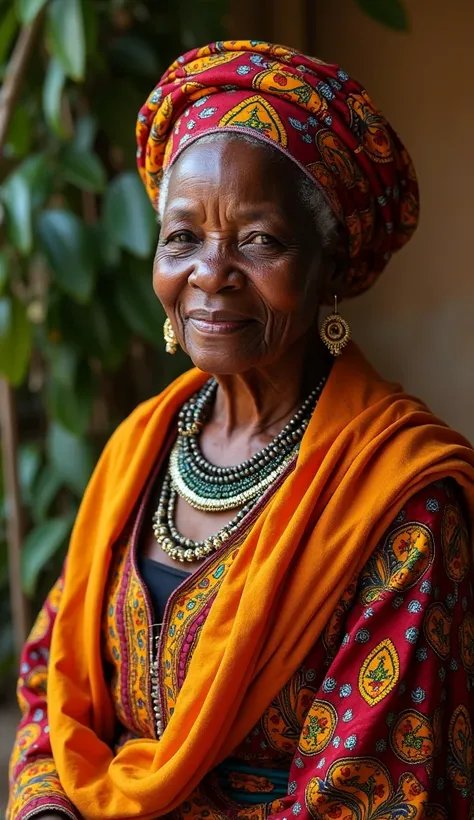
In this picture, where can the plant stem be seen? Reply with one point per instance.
(8, 416)
(15, 518)
(14, 74)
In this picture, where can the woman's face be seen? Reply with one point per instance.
(238, 267)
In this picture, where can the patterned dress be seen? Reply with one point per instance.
(375, 725)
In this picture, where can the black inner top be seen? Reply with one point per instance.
(160, 580)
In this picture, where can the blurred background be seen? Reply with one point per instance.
(80, 329)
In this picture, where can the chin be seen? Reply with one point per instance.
(220, 364)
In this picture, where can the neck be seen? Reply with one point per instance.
(263, 399)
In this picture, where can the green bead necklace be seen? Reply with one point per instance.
(211, 488)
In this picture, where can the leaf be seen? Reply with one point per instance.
(128, 215)
(3, 270)
(84, 169)
(110, 336)
(16, 196)
(63, 362)
(40, 545)
(3, 566)
(106, 339)
(29, 461)
(28, 9)
(6, 310)
(46, 488)
(63, 239)
(16, 340)
(84, 134)
(38, 175)
(65, 28)
(133, 55)
(71, 404)
(91, 28)
(109, 251)
(71, 456)
(52, 96)
(8, 27)
(390, 13)
(20, 133)
(139, 306)
(112, 116)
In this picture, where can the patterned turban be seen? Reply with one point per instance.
(313, 112)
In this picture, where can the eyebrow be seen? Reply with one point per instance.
(181, 212)
(259, 211)
(250, 214)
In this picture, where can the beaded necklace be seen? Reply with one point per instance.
(210, 488)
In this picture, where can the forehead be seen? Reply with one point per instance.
(233, 169)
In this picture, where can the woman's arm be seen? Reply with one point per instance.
(34, 784)
(390, 731)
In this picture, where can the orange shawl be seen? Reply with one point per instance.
(367, 450)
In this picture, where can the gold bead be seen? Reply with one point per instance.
(171, 342)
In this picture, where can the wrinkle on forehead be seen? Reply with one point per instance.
(182, 208)
(242, 179)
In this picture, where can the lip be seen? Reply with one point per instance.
(218, 321)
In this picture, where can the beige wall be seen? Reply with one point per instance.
(417, 324)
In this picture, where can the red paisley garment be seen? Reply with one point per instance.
(377, 723)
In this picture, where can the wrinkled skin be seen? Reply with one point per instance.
(237, 244)
(241, 272)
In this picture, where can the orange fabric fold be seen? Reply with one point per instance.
(368, 449)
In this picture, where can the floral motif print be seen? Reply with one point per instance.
(375, 725)
(319, 727)
(34, 783)
(412, 737)
(361, 788)
(379, 673)
(461, 756)
(437, 628)
(466, 643)
(408, 554)
(455, 544)
(313, 112)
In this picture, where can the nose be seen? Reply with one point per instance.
(215, 269)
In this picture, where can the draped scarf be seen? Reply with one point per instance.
(368, 448)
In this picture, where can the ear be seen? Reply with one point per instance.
(335, 279)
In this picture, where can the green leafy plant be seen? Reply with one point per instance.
(391, 13)
(80, 329)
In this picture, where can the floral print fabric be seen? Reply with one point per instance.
(311, 111)
(375, 725)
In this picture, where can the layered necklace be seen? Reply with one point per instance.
(210, 488)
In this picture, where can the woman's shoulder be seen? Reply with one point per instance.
(436, 511)
(429, 504)
(428, 537)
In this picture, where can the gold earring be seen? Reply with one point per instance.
(170, 337)
(335, 331)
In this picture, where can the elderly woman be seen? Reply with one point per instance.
(266, 610)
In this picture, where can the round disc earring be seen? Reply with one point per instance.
(335, 331)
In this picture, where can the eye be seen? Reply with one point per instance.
(181, 238)
(264, 239)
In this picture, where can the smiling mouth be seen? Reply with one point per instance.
(218, 326)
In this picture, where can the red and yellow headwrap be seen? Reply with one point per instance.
(311, 111)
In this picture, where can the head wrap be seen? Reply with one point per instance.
(311, 111)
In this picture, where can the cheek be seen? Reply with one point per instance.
(167, 284)
(290, 290)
